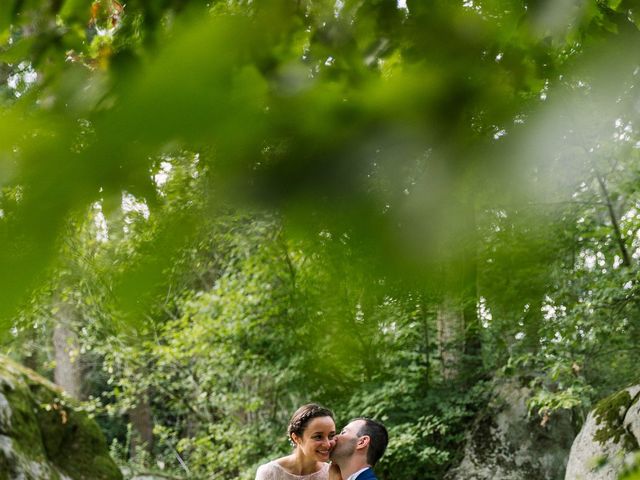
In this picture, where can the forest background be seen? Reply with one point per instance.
(212, 212)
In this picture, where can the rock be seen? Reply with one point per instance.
(43, 436)
(608, 437)
(506, 444)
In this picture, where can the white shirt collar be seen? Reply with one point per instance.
(355, 475)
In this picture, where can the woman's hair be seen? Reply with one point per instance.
(301, 418)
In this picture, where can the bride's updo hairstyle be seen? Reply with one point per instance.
(301, 418)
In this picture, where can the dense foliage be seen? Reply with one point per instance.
(382, 206)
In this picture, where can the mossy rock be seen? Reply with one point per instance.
(44, 435)
(607, 439)
(609, 415)
(505, 443)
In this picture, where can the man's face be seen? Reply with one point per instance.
(347, 440)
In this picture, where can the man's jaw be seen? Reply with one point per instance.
(332, 454)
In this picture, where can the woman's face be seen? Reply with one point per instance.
(317, 439)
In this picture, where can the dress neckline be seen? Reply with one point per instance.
(298, 476)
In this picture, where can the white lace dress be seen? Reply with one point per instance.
(273, 471)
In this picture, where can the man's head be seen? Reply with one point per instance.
(363, 437)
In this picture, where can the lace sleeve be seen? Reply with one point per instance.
(265, 472)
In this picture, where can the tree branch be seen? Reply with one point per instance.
(626, 259)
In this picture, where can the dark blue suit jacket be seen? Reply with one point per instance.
(367, 475)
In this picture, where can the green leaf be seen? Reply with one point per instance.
(613, 4)
(18, 51)
(75, 9)
(6, 14)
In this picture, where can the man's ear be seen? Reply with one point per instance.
(363, 442)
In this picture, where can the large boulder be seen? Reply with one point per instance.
(608, 437)
(43, 436)
(506, 443)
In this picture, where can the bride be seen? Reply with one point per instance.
(311, 431)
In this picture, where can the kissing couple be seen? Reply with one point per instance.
(312, 431)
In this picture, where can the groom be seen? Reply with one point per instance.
(358, 448)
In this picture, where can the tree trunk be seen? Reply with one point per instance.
(458, 325)
(472, 328)
(68, 371)
(141, 420)
(450, 328)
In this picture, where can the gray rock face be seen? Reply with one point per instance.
(608, 436)
(506, 444)
(43, 436)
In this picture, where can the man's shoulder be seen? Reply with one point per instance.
(368, 474)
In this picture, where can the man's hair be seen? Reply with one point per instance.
(379, 438)
(303, 416)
